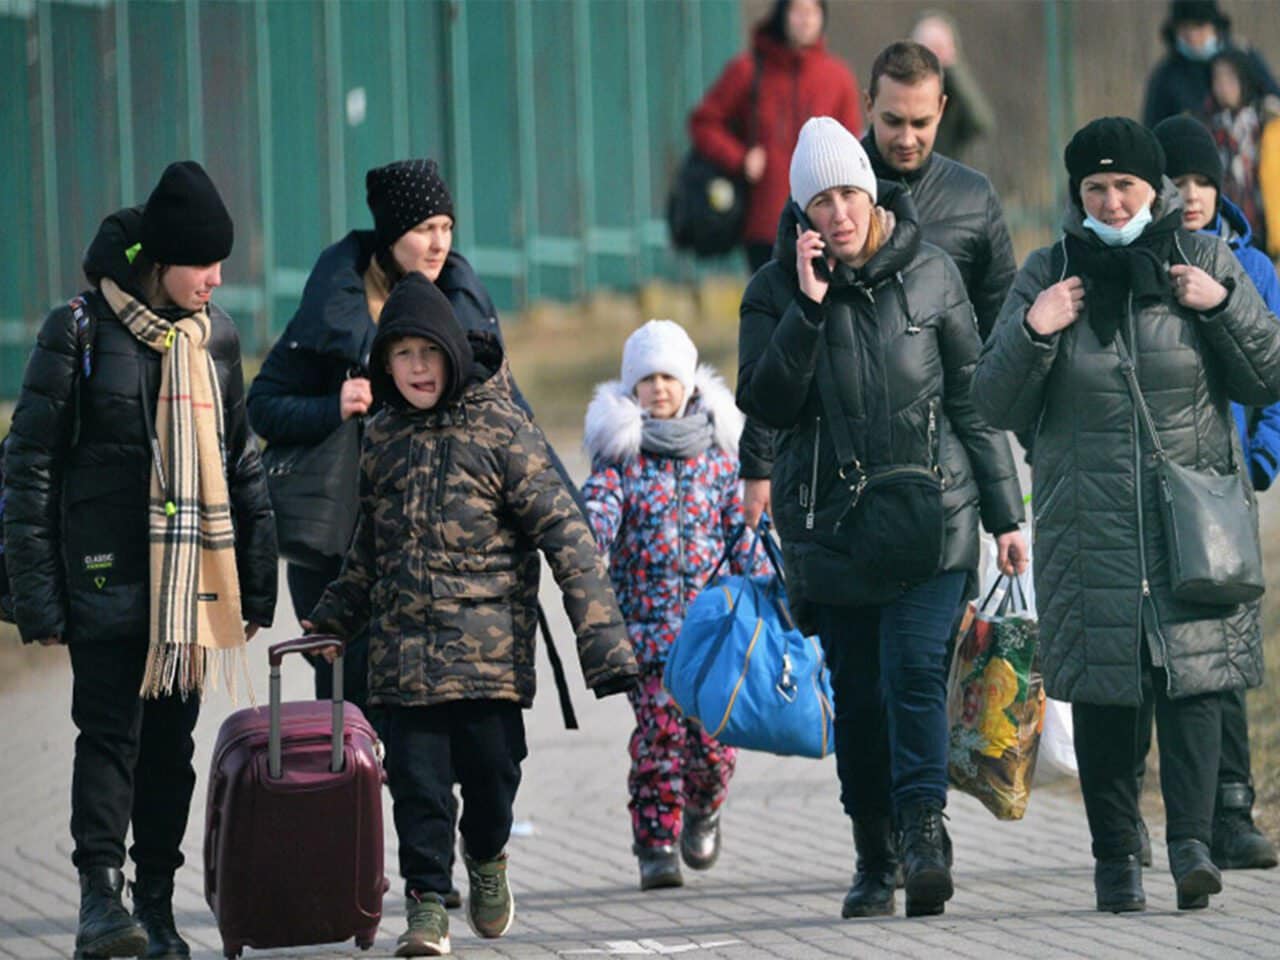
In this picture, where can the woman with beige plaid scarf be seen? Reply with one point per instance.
(138, 531)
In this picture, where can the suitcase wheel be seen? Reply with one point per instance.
(364, 943)
(231, 953)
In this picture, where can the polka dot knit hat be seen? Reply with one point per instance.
(403, 194)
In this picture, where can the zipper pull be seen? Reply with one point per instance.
(1146, 587)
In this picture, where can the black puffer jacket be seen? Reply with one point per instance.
(958, 210)
(1097, 529)
(295, 396)
(903, 341)
(76, 518)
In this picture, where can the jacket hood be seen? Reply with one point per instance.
(108, 256)
(1231, 224)
(894, 256)
(417, 308)
(615, 420)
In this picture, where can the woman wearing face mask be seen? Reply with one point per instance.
(151, 601)
(794, 78)
(1194, 33)
(1114, 641)
(857, 343)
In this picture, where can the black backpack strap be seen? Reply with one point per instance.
(85, 328)
(557, 668)
(753, 121)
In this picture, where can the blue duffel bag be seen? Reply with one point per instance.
(742, 669)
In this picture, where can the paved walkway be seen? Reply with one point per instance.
(1022, 889)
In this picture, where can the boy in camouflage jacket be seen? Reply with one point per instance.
(457, 494)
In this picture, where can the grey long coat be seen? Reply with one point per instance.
(1097, 529)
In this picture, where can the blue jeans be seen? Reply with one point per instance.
(889, 673)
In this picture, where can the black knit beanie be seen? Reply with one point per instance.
(1196, 11)
(1189, 148)
(1113, 145)
(403, 194)
(185, 222)
(417, 308)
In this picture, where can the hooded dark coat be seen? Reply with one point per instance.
(76, 540)
(901, 335)
(1098, 534)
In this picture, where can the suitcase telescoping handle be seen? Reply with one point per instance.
(275, 654)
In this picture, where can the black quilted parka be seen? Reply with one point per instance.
(1101, 560)
(77, 481)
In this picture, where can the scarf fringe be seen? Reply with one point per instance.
(183, 668)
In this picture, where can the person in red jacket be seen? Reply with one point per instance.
(798, 79)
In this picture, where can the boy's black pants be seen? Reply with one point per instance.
(477, 743)
(1110, 745)
(132, 761)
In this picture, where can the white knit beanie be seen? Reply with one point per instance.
(827, 155)
(660, 346)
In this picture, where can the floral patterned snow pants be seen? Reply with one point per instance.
(674, 764)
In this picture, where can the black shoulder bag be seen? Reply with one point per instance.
(889, 520)
(707, 208)
(1210, 521)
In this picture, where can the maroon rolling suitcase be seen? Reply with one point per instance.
(293, 826)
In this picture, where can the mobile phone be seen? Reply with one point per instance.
(820, 268)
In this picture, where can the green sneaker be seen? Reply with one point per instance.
(428, 933)
(490, 906)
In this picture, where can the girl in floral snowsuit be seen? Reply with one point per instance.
(663, 501)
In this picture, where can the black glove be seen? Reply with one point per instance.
(623, 684)
(1261, 479)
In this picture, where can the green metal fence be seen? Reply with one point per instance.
(557, 124)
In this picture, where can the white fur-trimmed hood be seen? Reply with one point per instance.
(614, 418)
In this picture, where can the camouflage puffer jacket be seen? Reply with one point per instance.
(455, 502)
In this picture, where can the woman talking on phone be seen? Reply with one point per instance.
(857, 343)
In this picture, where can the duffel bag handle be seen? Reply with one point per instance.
(275, 654)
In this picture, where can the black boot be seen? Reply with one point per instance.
(659, 867)
(700, 839)
(928, 878)
(1118, 885)
(1194, 873)
(106, 929)
(1237, 843)
(153, 908)
(873, 880)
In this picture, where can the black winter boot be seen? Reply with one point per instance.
(873, 880)
(659, 867)
(1194, 873)
(928, 878)
(106, 929)
(700, 839)
(1118, 885)
(153, 908)
(1237, 843)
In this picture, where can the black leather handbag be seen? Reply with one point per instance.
(1210, 521)
(315, 493)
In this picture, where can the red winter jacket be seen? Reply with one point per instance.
(794, 86)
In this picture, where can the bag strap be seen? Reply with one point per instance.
(753, 121)
(557, 668)
(842, 439)
(1130, 373)
(84, 359)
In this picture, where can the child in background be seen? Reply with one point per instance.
(1244, 126)
(457, 488)
(663, 500)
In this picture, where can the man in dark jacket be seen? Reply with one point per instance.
(957, 207)
(1195, 33)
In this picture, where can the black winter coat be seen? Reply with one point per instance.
(1098, 533)
(295, 397)
(901, 335)
(958, 210)
(76, 541)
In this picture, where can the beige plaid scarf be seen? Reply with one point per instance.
(196, 627)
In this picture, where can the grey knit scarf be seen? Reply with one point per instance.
(678, 438)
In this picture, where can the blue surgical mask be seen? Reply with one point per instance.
(1120, 236)
(1200, 54)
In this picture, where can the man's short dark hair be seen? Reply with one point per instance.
(906, 62)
